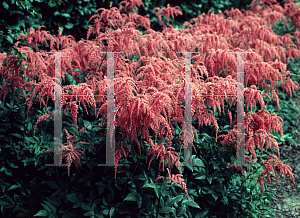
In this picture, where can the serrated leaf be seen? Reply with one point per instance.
(130, 197)
(42, 213)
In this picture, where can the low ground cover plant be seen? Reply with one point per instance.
(149, 83)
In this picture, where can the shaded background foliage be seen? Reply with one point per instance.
(71, 16)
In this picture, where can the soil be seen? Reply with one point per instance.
(287, 202)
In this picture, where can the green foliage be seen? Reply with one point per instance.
(71, 19)
(280, 27)
(92, 193)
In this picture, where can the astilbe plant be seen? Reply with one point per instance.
(177, 180)
(150, 91)
(69, 151)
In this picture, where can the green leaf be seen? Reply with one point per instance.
(30, 139)
(24, 4)
(4, 203)
(209, 179)
(5, 5)
(71, 79)
(178, 198)
(69, 26)
(90, 213)
(54, 201)
(7, 171)
(292, 141)
(130, 197)
(10, 200)
(52, 3)
(24, 55)
(105, 212)
(86, 206)
(66, 15)
(152, 185)
(10, 39)
(193, 204)
(72, 197)
(48, 205)
(85, 122)
(53, 185)
(198, 162)
(77, 70)
(214, 196)
(42, 213)
(162, 203)
(225, 200)
(111, 212)
(166, 210)
(201, 177)
(13, 187)
(17, 135)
